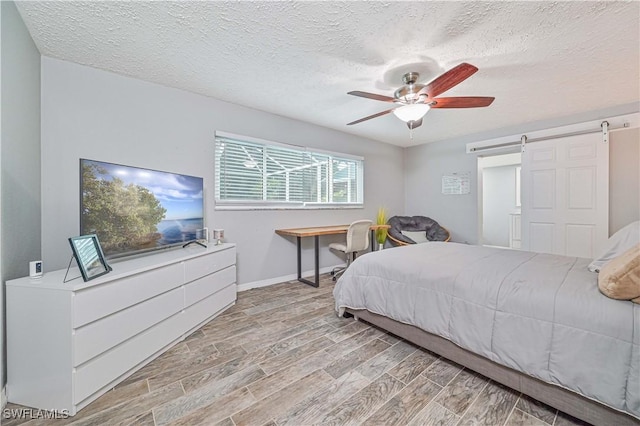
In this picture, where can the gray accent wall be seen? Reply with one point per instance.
(424, 167)
(89, 113)
(624, 178)
(20, 208)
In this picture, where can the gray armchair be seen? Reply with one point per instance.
(433, 231)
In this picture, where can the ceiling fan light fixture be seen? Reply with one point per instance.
(412, 112)
(413, 100)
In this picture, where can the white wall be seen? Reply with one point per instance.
(19, 154)
(425, 165)
(89, 113)
(498, 201)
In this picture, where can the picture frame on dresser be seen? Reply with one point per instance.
(89, 256)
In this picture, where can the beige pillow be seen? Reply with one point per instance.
(620, 278)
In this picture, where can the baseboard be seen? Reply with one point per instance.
(277, 280)
(3, 398)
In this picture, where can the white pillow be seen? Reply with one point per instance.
(617, 244)
(417, 236)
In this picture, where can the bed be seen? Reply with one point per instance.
(534, 322)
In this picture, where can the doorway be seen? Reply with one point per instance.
(499, 206)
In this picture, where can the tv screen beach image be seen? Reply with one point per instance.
(133, 209)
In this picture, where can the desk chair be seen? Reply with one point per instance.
(357, 240)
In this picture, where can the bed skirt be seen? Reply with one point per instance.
(562, 399)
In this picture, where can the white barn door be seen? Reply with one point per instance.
(565, 195)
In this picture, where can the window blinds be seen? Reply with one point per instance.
(250, 172)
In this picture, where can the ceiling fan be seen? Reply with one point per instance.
(414, 99)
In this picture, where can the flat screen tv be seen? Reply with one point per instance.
(133, 209)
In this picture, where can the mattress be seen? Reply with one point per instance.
(540, 314)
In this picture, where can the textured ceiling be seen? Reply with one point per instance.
(541, 60)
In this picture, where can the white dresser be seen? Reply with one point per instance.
(68, 343)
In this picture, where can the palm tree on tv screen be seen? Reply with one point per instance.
(125, 217)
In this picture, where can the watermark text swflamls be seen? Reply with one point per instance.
(33, 413)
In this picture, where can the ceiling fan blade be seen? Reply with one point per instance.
(412, 124)
(463, 102)
(371, 96)
(449, 79)
(371, 116)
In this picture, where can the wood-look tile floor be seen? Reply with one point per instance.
(281, 356)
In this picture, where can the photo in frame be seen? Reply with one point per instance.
(89, 256)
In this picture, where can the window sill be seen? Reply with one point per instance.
(285, 207)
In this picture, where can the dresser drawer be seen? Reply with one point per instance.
(204, 265)
(205, 286)
(105, 333)
(205, 309)
(101, 371)
(99, 301)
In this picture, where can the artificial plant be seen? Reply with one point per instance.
(381, 219)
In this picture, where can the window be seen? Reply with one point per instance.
(256, 173)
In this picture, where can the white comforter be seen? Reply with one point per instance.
(537, 313)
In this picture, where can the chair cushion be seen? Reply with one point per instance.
(338, 246)
(416, 236)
